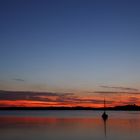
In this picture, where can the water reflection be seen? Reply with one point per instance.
(105, 130)
(50, 128)
(54, 128)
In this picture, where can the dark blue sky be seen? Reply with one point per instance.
(69, 44)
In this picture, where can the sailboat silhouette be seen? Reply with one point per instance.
(104, 115)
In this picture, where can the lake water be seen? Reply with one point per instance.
(69, 125)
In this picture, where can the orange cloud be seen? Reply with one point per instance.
(48, 99)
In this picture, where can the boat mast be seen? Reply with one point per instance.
(104, 105)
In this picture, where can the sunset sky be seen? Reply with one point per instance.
(69, 52)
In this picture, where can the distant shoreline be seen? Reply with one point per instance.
(116, 108)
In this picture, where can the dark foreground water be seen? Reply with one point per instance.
(69, 125)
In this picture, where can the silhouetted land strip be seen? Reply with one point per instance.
(116, 108)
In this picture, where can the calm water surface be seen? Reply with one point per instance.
(69, 125)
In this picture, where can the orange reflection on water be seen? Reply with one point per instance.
(69, 128)
(114, 123)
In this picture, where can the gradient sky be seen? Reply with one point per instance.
(70, 46)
